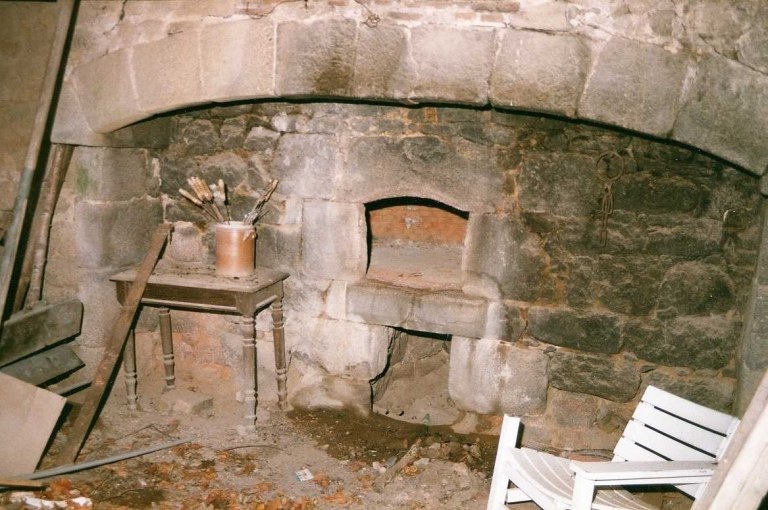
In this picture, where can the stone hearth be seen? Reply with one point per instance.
(504, 126)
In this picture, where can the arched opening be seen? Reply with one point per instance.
(415, 242)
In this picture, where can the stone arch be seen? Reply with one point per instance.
(712, 103)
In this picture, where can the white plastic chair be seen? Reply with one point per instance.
(668, 441)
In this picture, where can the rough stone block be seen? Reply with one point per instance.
(232, 132)
(636, 86)
(380, 62)
(306, 165)
(592, 332)
(452, 64)
(442, 313)
(237, 60)
(450, 313)
(493, 377)
(187, 402)
(113, 174)
(315, 58)
(688, 341)
(173, 62)
(69, 124)
(540, 72)
(621, 284)
(691, 240)
(658, 194)
(114, 235)
(725, 112)
(694, 288)
(308, 296)
(261, 139)
(310, 387)
(561, 184)
(707, 390)
(278, 247)
(186, 244)
(106, 87)
(384, 167)
(100, 308)
(344, 349)
(614, 379)
(71, 127)
(499, 248)
(333, 240)
(378, 304)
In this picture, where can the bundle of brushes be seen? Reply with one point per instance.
(211, 198)
(257, 211)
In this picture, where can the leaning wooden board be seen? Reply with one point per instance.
(29, 331)
(115, 344)
(28, 415)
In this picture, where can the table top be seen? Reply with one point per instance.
(204, 277)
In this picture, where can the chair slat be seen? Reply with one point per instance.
(661, 444)
(691, 411)
(687, 432)
(629, 450)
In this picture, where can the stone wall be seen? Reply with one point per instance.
(25, 41)
(548, 323)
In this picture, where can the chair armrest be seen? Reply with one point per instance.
(642, 473)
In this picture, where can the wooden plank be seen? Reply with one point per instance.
(45, 365)
(28, 415)
(114, 347)
(12, 482)
(33, 330)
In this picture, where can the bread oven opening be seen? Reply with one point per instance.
(415, 242)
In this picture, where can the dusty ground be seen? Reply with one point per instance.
(221, 469)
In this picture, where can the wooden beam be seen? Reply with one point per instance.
(115, 344)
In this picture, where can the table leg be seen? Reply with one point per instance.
(250, 391)
(129, 364)
(166, 339)
(278, 334)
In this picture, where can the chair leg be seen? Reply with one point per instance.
(510, 430)
(583, 493)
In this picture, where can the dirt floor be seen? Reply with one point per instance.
(353, 463)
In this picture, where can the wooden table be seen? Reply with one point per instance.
(198, 288)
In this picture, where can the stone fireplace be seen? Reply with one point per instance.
(442, 202)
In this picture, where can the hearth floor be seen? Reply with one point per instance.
(419, 266)
(220, 468)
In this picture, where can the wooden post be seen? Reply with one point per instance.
(115, 345)
(30, 286)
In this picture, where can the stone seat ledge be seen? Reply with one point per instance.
(720, 109)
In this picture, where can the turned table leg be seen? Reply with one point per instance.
(129, 364)
(250, 391)
(278, 334)
(166, 339)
